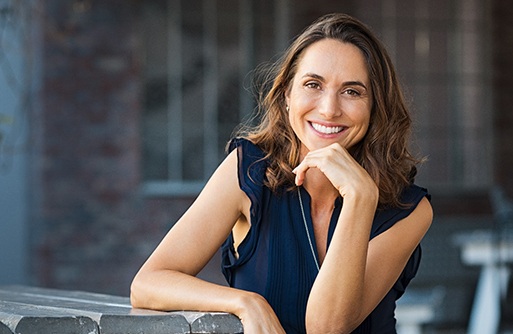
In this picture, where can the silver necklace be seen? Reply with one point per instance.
(306, 228)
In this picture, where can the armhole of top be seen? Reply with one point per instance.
(248, 156)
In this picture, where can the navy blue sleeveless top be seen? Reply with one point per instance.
(275, 259)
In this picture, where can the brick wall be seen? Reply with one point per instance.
(91, 228)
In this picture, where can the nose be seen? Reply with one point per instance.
(329, 105)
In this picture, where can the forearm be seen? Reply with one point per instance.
(168, 290)
(171, 290)
(336, 297)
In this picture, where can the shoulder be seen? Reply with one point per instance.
(420, 201)
(415, 224)
(417, 210)
(246, 148)
(413, 194)
(252, 162)
(416, 202)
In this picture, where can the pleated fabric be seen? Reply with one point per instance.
(276, 260)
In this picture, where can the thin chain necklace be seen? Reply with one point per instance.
(306, 228)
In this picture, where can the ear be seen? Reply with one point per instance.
(287, 97)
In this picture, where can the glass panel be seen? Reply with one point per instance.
(154, 122)
(198, 54)
(441, 54)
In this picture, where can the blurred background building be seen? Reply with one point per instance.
(114, 114)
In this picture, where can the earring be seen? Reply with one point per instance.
(287, 108)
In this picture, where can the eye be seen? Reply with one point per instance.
(352, 92)
(313, 85)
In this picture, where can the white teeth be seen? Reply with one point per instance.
(326, 129)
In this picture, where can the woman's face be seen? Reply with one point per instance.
(330, 97)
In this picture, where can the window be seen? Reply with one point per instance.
(199, 54)
(441, 51)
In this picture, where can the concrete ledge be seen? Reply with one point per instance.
(38, 310)
(213, 322)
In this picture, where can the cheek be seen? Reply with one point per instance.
(367, 121)
(294, 112)
(293, 120)
(363, 120)
(365, 126)
(359, 113)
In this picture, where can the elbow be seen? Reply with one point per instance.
(328, 324)
(138, 297)
(135, 301)
(146, 293)
(340, 328)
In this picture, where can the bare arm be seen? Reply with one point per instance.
(353, 280)
(167, 280)
(356, 274)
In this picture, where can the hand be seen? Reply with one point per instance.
(335, 162)
(258, 317)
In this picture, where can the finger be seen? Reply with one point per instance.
(300, 171)
(314, 159)
(327, 160)
(300, 176)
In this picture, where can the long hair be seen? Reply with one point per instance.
(383, 152)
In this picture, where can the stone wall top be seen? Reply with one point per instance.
(40, 310)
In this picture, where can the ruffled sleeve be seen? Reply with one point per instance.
(386, 218)
(251, 173)
(251, 170)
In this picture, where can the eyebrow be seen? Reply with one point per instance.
(346, 83)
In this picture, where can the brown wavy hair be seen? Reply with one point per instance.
(383, 151)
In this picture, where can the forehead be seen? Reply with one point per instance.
(333, 58)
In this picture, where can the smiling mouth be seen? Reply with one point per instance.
(327, 129)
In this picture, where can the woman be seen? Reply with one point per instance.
(315, 207)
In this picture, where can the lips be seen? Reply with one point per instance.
(328, 130)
